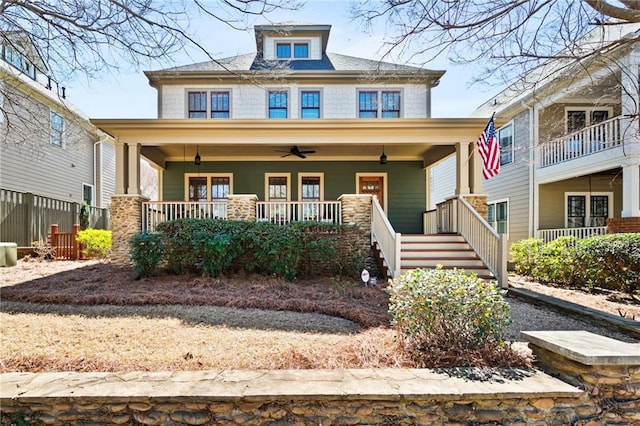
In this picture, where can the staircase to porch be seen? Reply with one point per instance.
(427, 251)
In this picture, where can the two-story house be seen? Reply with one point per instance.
(295, 132)
(51, 157)
(569, 146)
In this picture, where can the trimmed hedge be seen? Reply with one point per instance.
(607, 261)
(215, 246)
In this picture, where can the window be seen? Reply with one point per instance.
(310, 104)
(390, 104)
(388, 107)
(278, 104)
(18, 60)
(578, 119)
(278, 188)
(87, 194)
(505, 140)
(310, 187)
(56, 129)
(219, 104)
(588, 209)
(208, 187)
(368, 104)
(197, 104)
(214, 104)
(498, 216)
(300, 50)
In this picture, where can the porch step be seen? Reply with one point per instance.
(449, 250)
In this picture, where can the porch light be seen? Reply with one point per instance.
(196, 159)
(383, 157)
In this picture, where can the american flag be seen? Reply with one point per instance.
(489, 150)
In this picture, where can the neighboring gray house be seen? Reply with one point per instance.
(570, 148)
(47, 146)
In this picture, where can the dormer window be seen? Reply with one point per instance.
(300, 50)
(18, 60)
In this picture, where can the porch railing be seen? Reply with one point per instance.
(586, 232)
(388, 239)
(592, 139)
(155, 212)
(430, 222)
(283, 212)
(447, 216)
(490, 246)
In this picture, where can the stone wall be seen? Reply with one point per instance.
(126, 221)
(356, 210)
(624, 224)
(479, 203)
(241, 206)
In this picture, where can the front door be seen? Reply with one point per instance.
(372, 185)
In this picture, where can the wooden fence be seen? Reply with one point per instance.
(64, 244)
(26, 217)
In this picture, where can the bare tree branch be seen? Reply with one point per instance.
(629, 13)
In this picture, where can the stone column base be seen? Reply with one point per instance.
(241, 206)
(126, 221)
(479, 203)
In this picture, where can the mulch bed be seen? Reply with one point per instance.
(105, 283)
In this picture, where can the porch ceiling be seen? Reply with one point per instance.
(163, 140)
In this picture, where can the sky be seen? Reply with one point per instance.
(125, 93)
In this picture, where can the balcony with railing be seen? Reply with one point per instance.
(590, 140)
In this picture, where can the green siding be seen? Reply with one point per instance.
(405, 179)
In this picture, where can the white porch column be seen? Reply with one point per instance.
(134, 169)
(630, 99)
(631, 189)
(121, 167)
(476, 170)
(462, 168)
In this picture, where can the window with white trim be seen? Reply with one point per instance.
(309, 104)
(588, 209)
(87, 193)
(278, 104)
(579, 118)
(284, 49)
(505, 141)
(379, 103)
(213, 104)
(498, 216)
(208, 187)
(56, 129)
(311, 192)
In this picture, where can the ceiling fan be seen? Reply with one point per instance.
(294, 150)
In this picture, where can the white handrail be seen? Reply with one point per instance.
(283, 212)
(387, 238)
(584, 232)
(155, 212)
(490, 246)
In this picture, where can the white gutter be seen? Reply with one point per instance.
(98, 186)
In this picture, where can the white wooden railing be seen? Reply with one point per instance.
(447, 216)
(430, 222)
(387, 238)
(489, 245)
(586, 232)
(283, 212)
(155, 212)
(592, 139)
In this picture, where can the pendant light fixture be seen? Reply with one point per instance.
(197, 159)
(383, 157)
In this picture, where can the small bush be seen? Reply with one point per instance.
(447, 317)
(147, 251)
(611, 261)
(526, 254)
(557, 262)
(96, 242)
(218, 251)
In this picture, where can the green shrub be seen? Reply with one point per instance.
(217, 249)
(85, 210)
(525, 254)
(611, 261)
(444, 313)
(557, 262)
(95, 242)
(147, 251)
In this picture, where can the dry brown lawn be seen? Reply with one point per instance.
(94, 316)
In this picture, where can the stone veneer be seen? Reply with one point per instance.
(126, 221)
(241, 206)
(623, 224)
(356, 210)
(479, 203)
